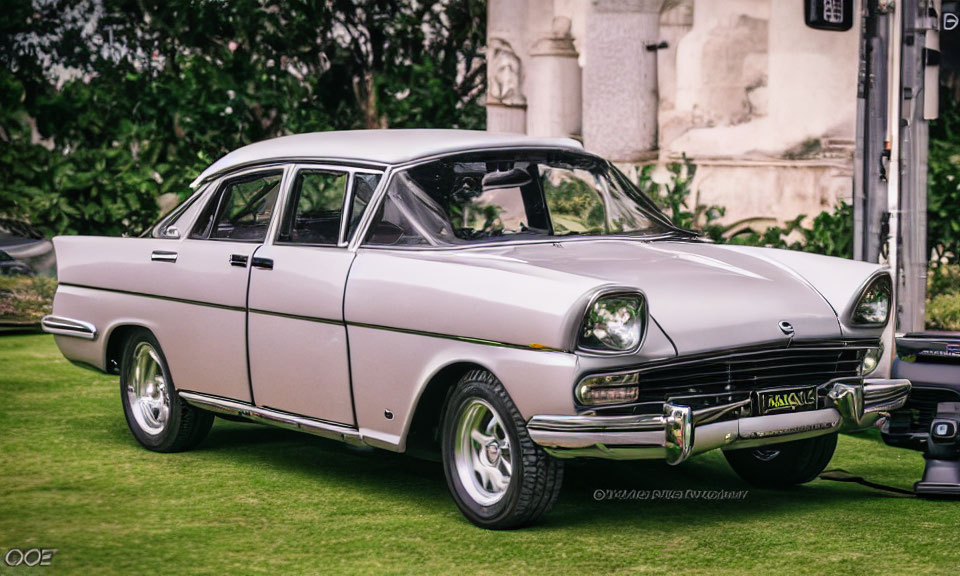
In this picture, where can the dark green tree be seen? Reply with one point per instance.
(108, 104)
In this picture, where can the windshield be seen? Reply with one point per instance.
(490, 197)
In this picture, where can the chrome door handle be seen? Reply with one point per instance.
(265, 263)
(163, 256)
(238, 260)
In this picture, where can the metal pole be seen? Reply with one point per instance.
(919, 103)
(920, 21)
(864, 70)
(870, 199)
(893, 143)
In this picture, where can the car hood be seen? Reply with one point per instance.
(705, 297)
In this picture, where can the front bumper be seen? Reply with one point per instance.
(679, 431)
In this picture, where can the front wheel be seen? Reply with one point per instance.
(155, 414)
(783, 465)
(497, 475)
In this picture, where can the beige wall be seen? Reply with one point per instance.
(764, 105)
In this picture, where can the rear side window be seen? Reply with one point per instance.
(315, 208)
(241, 210)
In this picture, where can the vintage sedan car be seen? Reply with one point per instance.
(501, 301)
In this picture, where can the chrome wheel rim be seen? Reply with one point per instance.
(147, 390)
(483, 456)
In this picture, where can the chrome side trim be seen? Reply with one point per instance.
(274, 417)
(157, 296)
(471, 340)
(863, 403)
(68, 327)
(881, 395)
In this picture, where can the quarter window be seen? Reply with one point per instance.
(315, 208)
(242, 210)
(364, 186)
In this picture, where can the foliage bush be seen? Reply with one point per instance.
(943, 312)
(943, 180)
(26, 299)
(943, 297)
(831, 232)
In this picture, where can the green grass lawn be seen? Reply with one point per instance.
(253, 499)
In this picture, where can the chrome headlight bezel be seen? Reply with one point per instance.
(878, 284)
(588, 322)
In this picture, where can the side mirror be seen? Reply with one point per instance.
(171, 232)
(835, 15)
(515, 178)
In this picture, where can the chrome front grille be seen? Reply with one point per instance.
(713, 379)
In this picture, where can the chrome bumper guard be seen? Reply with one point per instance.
(680, 431)
(68, 327)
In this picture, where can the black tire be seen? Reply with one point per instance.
(783, 465)
(183, 426)
(535, 478)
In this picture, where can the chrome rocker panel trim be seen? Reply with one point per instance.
(680, 431)
(262, 415)
(68, 327)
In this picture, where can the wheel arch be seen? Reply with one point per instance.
(423, 438)
(116, 339)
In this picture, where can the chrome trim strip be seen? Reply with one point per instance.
(156, 296)
(297, 317)
(881, 395)
(68, 327)
(534, 347)
(358, 163)
(369, 212)
(631, 423)
(345, 210)
(272, 417)
(738, 353)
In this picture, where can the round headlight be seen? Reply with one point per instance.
(873, 307)
(614, 323)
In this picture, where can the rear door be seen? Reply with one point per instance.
(297, 339)
(211, 266)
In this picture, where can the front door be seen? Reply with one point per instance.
(297, 339)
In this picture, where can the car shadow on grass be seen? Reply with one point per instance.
(634, 493)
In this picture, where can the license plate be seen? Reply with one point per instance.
(782, 400)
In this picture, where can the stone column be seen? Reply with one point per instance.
(620, 99)
(505, 101)
(554, 103)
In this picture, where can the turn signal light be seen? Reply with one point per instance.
(615, 389)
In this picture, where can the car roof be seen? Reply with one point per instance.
(383, 147)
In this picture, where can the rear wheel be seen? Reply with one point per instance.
(155, 414)
(497, 475)
(783, 465)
